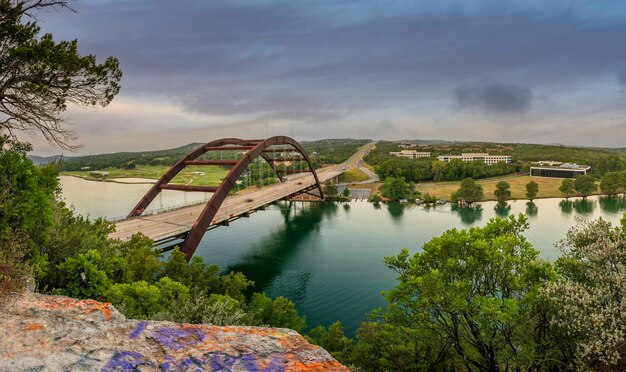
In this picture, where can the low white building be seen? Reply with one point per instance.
(474, 156)
(411, 154)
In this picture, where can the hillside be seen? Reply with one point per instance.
(329, 151)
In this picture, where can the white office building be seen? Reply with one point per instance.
(484, 157)
(411, 154)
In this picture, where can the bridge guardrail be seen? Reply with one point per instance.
(157, 211)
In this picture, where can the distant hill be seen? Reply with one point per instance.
(326, 151)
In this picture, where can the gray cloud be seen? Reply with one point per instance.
(495, 98)
(343, 67)
(621, 79)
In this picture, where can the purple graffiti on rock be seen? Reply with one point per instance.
(125, 361)
(176, 338)
(141, 326)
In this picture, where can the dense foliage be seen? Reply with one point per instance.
(332, 151)
(396, 188)
(426, 170)
(590, 296)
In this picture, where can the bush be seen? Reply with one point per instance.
(275, 313)
(396, 189)
(375, 198)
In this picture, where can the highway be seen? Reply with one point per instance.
(171, 224)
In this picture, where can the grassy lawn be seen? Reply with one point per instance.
(212, 174)
(548, 187)
(354, 175)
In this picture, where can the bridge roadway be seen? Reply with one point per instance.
(171, 225)
(163, 226)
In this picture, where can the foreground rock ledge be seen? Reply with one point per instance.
(40, 332)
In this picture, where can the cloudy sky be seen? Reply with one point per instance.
(514, 71)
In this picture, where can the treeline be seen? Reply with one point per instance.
(127, 160)
(321, 152)
(600, 160)
(426, 170)
(332, 151)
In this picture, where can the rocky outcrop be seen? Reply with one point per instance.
(40, 332)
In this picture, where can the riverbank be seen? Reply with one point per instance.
(548, 187)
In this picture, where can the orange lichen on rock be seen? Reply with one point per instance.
(87, 306)
(32, 326)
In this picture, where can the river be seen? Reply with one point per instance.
(328, 257)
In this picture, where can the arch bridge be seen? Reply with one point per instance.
(189, 224)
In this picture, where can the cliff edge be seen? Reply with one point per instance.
(39, 332)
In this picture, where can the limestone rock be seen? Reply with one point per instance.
(54, 333)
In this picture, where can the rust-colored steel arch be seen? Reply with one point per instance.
(254, 149)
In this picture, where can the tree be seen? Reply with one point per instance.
(84, 276)
(330, 189)
(27, 201)
(141, 262)
(276, 313)
(612, 182)
(346, 193)
(590, 296)
(532, 189)
(469, 191)
(143, 300)
(502, 191)
(332, 340)
(611, 163)
(567, 187)
(585, 185)
(473, 292)
(396, 188)
(40, 77)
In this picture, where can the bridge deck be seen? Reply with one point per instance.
(173, 223)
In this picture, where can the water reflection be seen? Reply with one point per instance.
(566, 206)
(502, 209)
(267, 259)
(584, 206)
(613, 203)
(470, 213)
(531, 209)
(396, 210)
